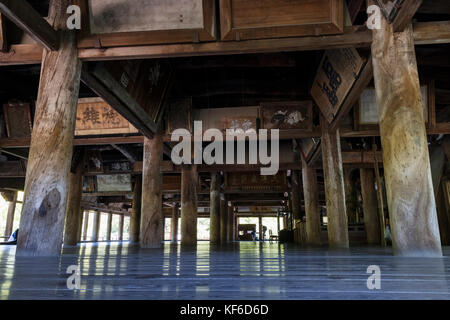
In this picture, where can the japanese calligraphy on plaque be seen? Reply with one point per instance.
(335, 77)
(251, 181)
(94, 116)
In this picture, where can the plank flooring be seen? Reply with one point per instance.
(243, 270)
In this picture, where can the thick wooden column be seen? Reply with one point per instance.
(230, 223)
(152, 232)
(370, 206)
(80, 224)
(109, 227)
(334, 186)
(295, 196)
(135, 221)
(189, 181)
(260, 228)
(121, 219)
(309, 178)
(96, 226)
(86, 224)
(174, 224)
(223, 220)
(214, 210)
(10, 216)
(73, 210)
(406, 160)
(47, 179)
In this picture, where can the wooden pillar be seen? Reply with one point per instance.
(310, 192)
(152, 232)
(73, 210)
(278, 225)
(86, 224)
(214, 210)
(121, 220)
(260, 226)
(47, 178)
(135, 220)
(295, 196)
(189, 181)
(223, 220)
(109, 227)
(96, 226)
(370, 206)
(334, 186)
(230, 223)
(406, 160)
(10, 216)
(80, 225)
(174, 224)
(349, 191)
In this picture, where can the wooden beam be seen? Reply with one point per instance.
(29, 20)
(404, 16)
(358, 36)
(115, 95)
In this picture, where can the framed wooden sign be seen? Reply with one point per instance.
(261, 19)
(112, 23)
(335, 77)
(287, 115)
(146, 82)
(114, 182)
(18, 119)
(238, 118)
(95, 117)
(250, 181)
(366, 112)
(179, 115)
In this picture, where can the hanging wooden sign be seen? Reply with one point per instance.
(254, 181)
(18, 119)
(95, 117)
(335, 77)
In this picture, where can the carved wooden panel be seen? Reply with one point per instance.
(335, 77)
(114, 182)
(95, 117)
(111, 23)
(238, 118)
(287, 115)
(258, 19)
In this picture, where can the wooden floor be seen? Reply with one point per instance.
(243, 270)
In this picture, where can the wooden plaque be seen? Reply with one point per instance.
(112, 23)
(114, 182)
(253, 181)
(335, 77)
(259, 19)
(367, 110)
(95, 117)
(180, 115)
(287, 115)
(18, 120)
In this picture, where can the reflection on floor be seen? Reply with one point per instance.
(243, 270)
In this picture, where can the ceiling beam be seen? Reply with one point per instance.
(424, 33)
(29, 20)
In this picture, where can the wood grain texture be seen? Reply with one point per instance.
(313, 230)
(151, 212)
(73, 210)
(406, 160)
(42, 220)
(334, 187)
(214, 210)
(135, 220)
(189, 179)
(370, 206)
